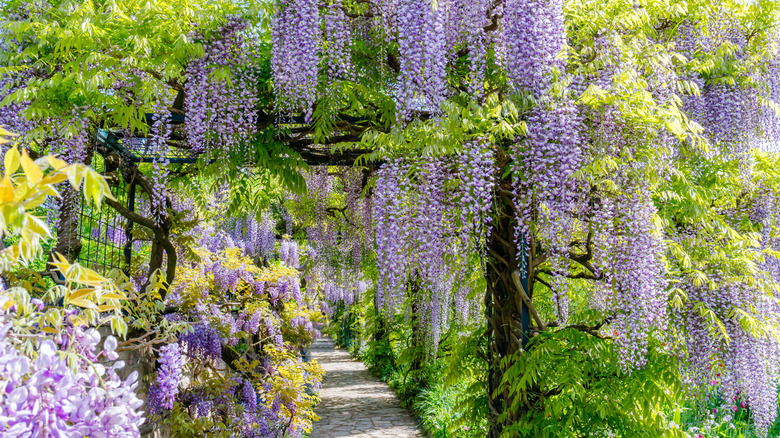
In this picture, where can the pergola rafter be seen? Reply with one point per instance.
(123, 154)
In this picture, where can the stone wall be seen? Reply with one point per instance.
(135, 360)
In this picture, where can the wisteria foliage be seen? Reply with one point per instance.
(591, 183)
(628, 142)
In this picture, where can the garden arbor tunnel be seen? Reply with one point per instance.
(103, 238)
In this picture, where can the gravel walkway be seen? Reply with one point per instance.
(354, 403)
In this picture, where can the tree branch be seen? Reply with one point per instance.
(130, 215)
(498, 256)
(527, 299)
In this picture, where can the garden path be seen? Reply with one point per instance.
(354, 403)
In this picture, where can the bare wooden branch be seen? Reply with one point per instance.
(527, 299)
(498, 256)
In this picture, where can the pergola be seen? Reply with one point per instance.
(103, 238)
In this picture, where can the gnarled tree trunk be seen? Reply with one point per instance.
(507, 314)
(68, 233)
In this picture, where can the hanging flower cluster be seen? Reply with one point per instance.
(423, 57)
(221, 101)
(289, 253)
(390, 232)
(545, 190)
(337, 38)
(478, 166)
(749, 367)
(533, 35)
(164, 390)
(418, 248)
(202, 341)
(48, 396)
(296, 51)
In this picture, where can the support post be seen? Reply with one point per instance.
(525, 314)
(128, 250)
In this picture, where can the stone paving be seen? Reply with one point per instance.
(354, 403)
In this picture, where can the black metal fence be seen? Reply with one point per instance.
(103, 231)
(106, 236)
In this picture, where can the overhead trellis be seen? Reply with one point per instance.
(136, 148)
(106, 235)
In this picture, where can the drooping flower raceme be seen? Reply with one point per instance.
(170, 373)
(337, 34)
(533, 34)
(289, 252)
(45, 397)
(422, 46)
(417, 246)
(203, 341)
(217, 105)
(295, 56)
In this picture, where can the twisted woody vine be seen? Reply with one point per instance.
(539, 218)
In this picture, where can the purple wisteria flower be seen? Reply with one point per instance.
(44, 396)
(169, 376)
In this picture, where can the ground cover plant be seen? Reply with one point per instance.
(553, 218)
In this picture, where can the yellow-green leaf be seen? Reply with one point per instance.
(115, 296)
(33, 172)
(54, 179)
(107, 308)
(78, 294)
(56, 163)
(6, 190)
(83, 303)
(11, 161)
